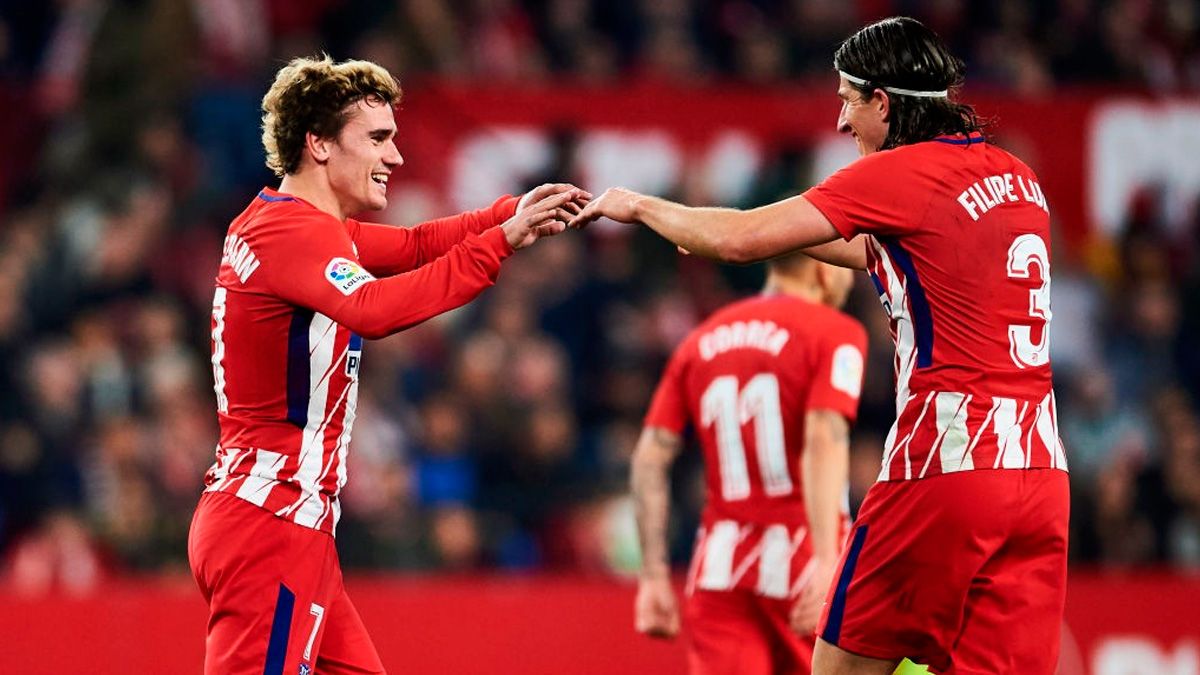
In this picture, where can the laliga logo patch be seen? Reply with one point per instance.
(346, 275)
(848, 370)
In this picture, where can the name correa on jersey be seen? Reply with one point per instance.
(957, 238)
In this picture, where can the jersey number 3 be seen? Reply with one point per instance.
(1026, 251)
(726, 407)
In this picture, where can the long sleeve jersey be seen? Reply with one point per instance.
(296, 293)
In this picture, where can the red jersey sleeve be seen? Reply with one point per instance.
(837, 382)
(311, 263)
(385, 250)
(668, 408)
(877, 194)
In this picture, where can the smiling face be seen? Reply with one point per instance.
(866, 119)
(363, 156)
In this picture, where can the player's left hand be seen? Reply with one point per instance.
(807, 611)
(569, 209)
(616, 203)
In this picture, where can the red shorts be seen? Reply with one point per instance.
(275, 598)
(964, 572)
(740, 633)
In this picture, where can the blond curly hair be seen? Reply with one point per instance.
(314, 95)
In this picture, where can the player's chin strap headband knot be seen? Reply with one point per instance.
(896, 90)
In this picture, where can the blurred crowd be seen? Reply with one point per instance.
(498, 436)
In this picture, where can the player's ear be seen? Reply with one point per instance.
(882, 103)
(318, 147)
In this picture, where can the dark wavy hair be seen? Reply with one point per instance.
(901, 52)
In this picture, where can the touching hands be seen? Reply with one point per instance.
(656, 611)
(616, 203)
(550, 189)
(544, 212)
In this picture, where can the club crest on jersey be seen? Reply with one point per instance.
(346, 275)
(305, 669)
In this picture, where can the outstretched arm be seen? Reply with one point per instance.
(315, 271)
(728, 235)
(386, 250)
(656, 610)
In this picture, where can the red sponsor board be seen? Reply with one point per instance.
(1093, 150)
(1131, 624)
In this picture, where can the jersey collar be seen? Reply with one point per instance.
(268, 195)
(961, 139)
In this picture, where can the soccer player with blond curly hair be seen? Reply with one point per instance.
(300, 284)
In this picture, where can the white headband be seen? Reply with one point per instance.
(896, 90)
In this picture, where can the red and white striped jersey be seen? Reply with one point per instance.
(957, 234)
(744, 380)
(296, 293)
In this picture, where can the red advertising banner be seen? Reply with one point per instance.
(1131, 624)
(1093, 151)
(468, 140)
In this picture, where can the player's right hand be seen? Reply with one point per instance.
(656, 611)
(543, 218)
(616, 203)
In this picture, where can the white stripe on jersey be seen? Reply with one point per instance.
(310, 506)
(717, 572)
(256, 486)
(906, 341)
(887, 462)
(951, 422)
(1007, 425)
(775, 562)
(322, 333)
(343, 446)
(1028, 448)
(968, 462)
(226, 460)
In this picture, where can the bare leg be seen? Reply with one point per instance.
(831, 660)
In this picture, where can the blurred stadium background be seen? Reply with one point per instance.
(486, 525)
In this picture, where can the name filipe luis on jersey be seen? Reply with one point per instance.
(989, 192)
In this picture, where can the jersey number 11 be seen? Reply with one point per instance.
(729, 409)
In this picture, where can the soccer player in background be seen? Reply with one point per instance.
(300, 285)
(770, 385)
(958, 558)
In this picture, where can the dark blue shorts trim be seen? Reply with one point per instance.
(837, 608)
(281, 628)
